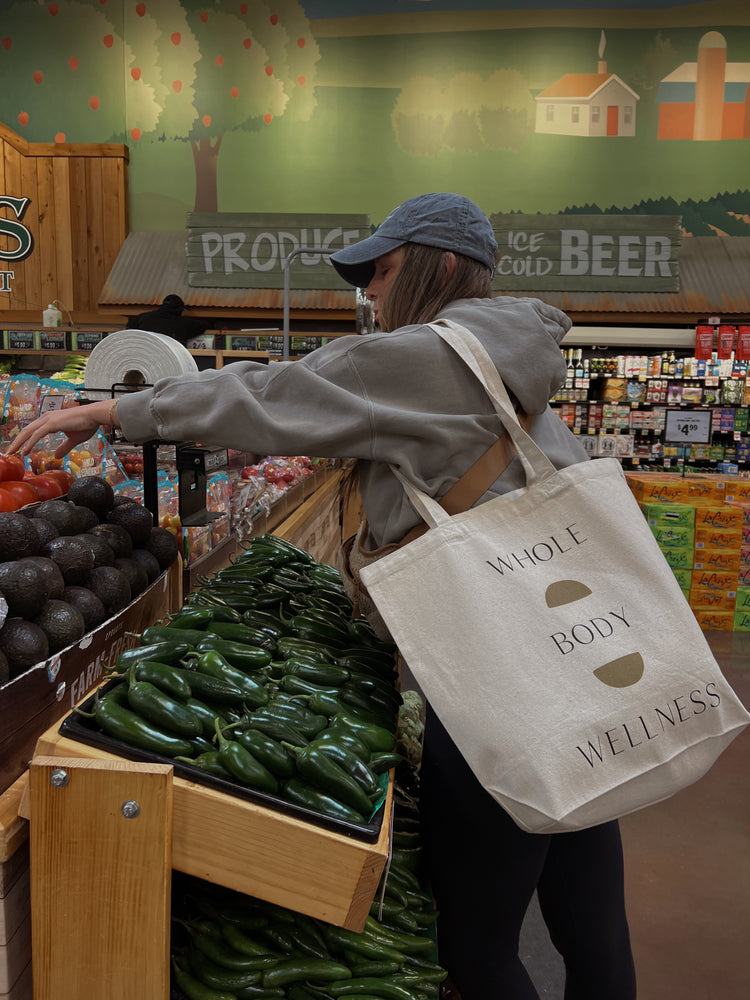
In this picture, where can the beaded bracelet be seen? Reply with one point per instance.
(110, 412)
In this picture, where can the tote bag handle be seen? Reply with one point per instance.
(535, 463)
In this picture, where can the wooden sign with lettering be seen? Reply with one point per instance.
(594, 253)
(227, 250)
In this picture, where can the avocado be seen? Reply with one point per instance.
(102, 551)
(17, 537)
(92, 609)
(54, 578)
(61, 623)
(74, 557)
(162, 544)
(149, 562)
(92, 492)
(24, 586)
(45, 530)
(84, 519)
(116, 537)
(23, 643)
(111, 587)
(59, 512)
(136, 574)
(136, 519)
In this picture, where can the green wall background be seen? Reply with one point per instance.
(337, 142)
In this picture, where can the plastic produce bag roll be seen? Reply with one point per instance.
(133, 358)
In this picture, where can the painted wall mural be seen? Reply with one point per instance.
(340, 107)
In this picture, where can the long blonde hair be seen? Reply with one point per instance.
(421, 289)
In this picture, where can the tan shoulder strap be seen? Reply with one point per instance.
(475, 482)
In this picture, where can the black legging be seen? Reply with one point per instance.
(484, 869)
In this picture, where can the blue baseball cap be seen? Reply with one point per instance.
(446, 221)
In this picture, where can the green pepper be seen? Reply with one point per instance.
(208, 762)
(220, 952)
(303, 794)
(354, 766)
(376, 737)
(158, 707)
(293, 970)
(271, 754)
(207, 714)
(264, 621)
(237, 653)
(167, 651)
(382, 762)
(339, 938)
(277, 728)
(347, 740)
(241, 764)
(308, 628)
(293, 684)
(307, 722)
(124, 724)
(165, 633)
(330, 777)
(168, 678)
(190, 617)
(195, 989)
(319, 672)
(215, 665)
(217, 977)
(407, 943)
(242, 632)
(213, 690)
(370, 986)
(293, 646)
(325, 703)
(236, 938)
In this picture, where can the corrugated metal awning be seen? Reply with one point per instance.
(714, 281)
(152, 265)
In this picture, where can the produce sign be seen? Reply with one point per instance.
(262, 684)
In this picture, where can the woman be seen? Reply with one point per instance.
(403, 397)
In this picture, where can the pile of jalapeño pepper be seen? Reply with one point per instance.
(264, 678)
(229, 946)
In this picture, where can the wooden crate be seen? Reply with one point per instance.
(15, 916)
(29, 704)
(260, 851)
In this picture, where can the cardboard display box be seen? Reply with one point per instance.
(29, 704)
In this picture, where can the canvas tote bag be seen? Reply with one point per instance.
(550, 635)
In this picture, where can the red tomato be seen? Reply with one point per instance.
(45, 486)
(20, 491)
(60, 476)
(11, 467)
(7, 501)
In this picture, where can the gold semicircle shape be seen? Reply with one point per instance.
(622, 672)
(565, 592)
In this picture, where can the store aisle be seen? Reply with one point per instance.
(687, 864)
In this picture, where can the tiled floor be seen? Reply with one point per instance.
(687, 878)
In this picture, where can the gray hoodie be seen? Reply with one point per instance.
(402, 398)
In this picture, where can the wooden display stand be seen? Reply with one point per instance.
(105, 834)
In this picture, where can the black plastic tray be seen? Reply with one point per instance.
(83, 730)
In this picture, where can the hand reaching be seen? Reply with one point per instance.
(77, 423)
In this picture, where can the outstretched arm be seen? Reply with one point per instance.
(77, 423)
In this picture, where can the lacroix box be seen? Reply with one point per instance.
(716, 581)
(715, 621)
(742, 603)
(741, 621)
(670, 537)
(672, 515)
(684, 578)
(720, 560)
(707, 486)
(716, 538)
(727, 517)
(660, 488)
(738, 489)
(707, 600)
(679, 557)
(744, 507)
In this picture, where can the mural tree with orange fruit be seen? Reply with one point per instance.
(141, 71)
